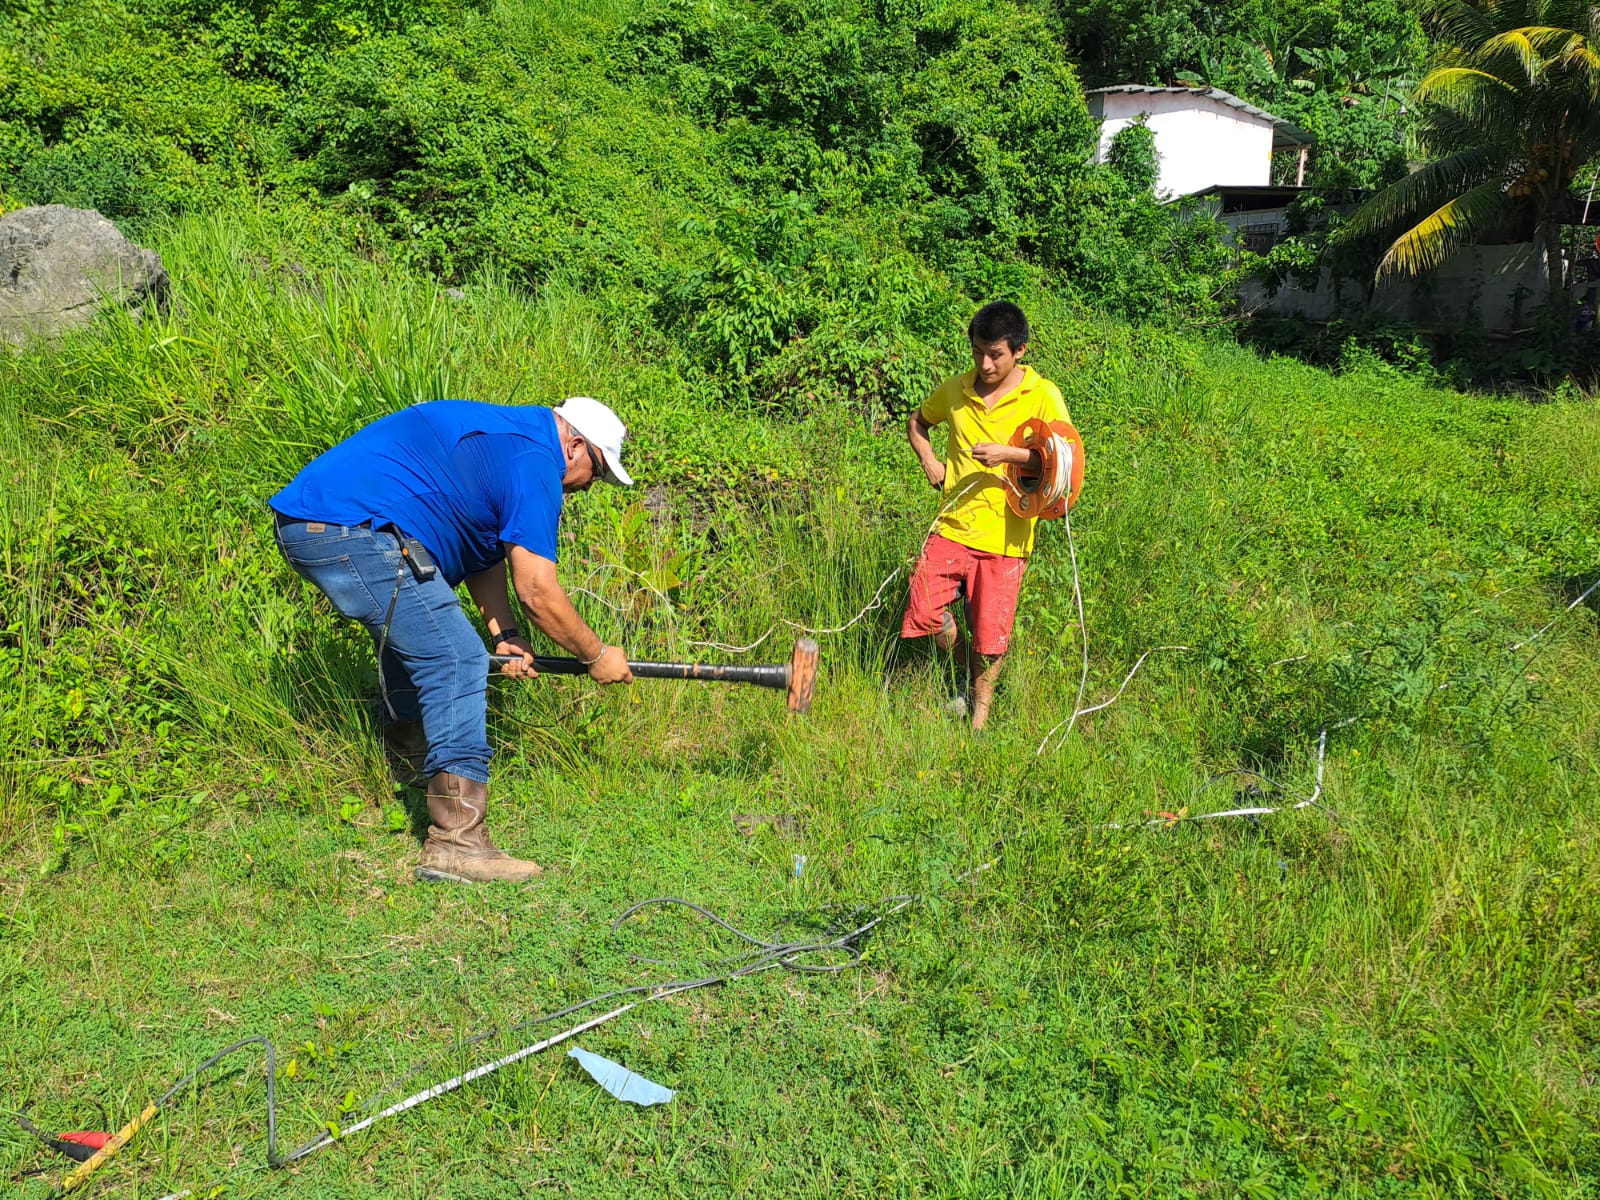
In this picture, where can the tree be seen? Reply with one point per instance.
(1505, 120)
(1339, 69)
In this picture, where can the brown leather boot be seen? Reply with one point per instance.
(458, 849)
(407, 748)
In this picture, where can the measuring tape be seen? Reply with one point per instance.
(1047, 494)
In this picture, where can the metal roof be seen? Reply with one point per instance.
(1284, 133)
(1249, 197)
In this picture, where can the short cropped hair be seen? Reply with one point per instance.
(1000, 319)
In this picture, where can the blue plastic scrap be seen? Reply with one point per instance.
(619, 1081)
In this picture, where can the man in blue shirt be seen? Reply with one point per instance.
(388, 523)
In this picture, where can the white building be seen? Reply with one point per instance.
(1205, 137)
(1217, 149)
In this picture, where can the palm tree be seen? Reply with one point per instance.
(1504, 121)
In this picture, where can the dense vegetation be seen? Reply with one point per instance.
(757, 229)
(796, 195)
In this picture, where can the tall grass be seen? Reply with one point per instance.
(1392, 994)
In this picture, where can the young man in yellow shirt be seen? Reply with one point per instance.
(979, 548)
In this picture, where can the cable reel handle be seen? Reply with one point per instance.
(1046, 495)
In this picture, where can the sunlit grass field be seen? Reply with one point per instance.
(1391, 993)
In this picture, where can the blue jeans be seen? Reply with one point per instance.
(435, 665)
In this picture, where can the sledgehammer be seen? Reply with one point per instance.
(797, 677)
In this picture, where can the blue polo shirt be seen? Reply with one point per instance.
(464, 478)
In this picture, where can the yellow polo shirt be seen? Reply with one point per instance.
(977, 515)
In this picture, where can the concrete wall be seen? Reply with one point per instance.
(1478, 286)
(1200, 142)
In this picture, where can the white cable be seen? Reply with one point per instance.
(1322, 741)
(1058, 489)
(1586, 593)
(1061, 482)
(877, 596)
(450, 1085)
(1257, 811)
(776, 955)
(1064, 454)
(875, 602)
(1115, 696)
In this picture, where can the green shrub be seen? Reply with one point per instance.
(416, 131)
(106, 109)
(805, 201)
(1132, 155)
(788, 311)
(1130, 254)
(1004, 133)
(281, 40)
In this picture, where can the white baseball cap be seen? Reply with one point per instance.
(601, 428)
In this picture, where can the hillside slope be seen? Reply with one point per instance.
(1389, 994)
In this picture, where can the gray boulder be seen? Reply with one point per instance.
(61, 266)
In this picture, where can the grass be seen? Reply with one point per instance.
(1396, 996)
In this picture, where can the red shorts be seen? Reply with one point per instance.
(990, 583)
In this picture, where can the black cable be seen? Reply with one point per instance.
(762, 956)
(383, 635)
(765, 954)
(76, 1151)
(272, 1103)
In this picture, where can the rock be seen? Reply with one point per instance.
(61, 266)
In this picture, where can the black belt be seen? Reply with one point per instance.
(414, 552)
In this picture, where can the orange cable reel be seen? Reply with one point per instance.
(1048, 494)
